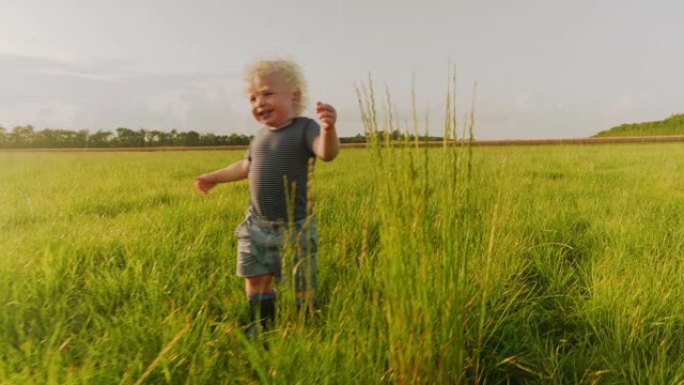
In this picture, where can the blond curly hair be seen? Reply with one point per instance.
(290, 71)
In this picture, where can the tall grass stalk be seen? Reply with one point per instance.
(424, 283)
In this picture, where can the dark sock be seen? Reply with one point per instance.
(262, 309)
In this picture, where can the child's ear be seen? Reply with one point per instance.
(297, 96)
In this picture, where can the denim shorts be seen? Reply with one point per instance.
(262, 245)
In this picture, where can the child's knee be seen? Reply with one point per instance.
(259, 284)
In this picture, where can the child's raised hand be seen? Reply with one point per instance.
(326, 115)
(204, 185)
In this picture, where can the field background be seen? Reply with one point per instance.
(529, 264)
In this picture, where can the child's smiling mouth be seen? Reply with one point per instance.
(263, 114)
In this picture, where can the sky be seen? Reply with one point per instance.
(527, 68)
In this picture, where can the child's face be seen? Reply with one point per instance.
(273, 102)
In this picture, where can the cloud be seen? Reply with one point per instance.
(523, 102)
(51, 114)
(107, 94)
(85, 75)
(620, 106)
(633, 107)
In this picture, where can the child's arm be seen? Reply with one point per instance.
(327, 144)
(236, 171)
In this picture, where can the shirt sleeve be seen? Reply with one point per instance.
(312, 132)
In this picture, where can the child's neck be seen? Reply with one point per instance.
(287, 123)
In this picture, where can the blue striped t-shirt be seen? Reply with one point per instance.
(280, 158)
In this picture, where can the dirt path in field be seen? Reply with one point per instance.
(506, 142)
(606, 140)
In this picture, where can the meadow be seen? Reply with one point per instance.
(528, 264)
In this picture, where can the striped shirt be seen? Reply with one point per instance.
(280, 158)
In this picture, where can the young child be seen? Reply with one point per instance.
(277, 166)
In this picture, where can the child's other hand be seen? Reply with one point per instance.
(326, 115)
(203, 185)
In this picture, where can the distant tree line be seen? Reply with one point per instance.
(28, 137)
(673, 125)
(394, 136)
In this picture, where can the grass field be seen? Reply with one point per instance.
(544, 264)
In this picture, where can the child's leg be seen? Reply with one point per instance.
(261, 296)
(305, 283)
(305, 300)
(305, 267)
(258, 264)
